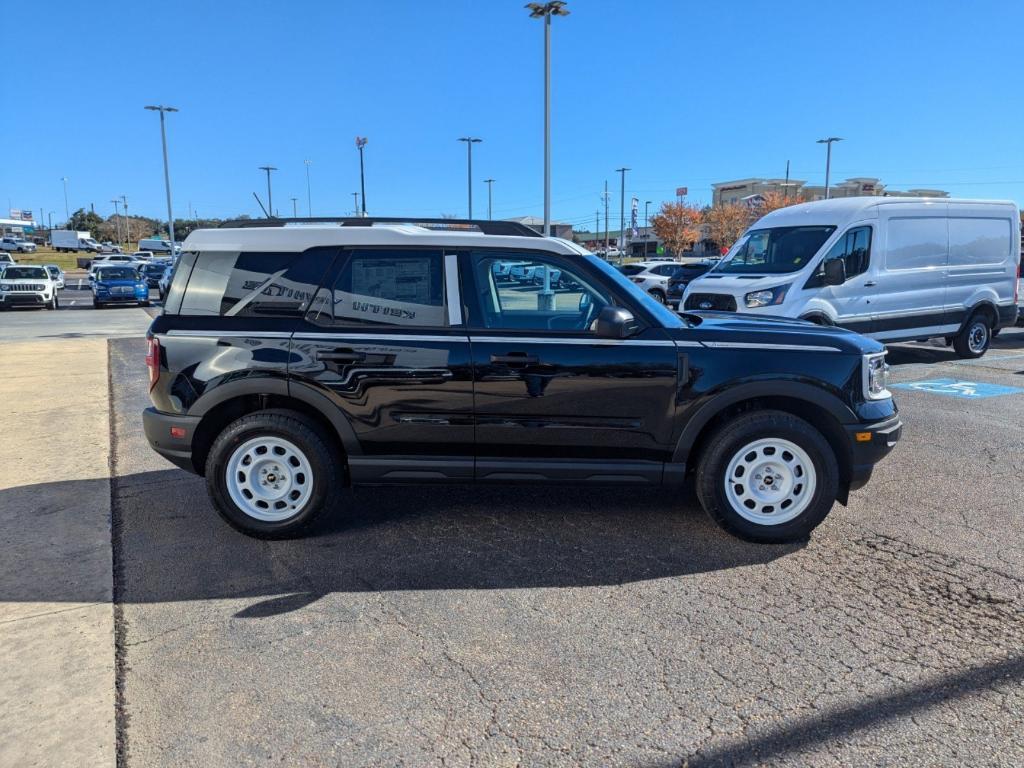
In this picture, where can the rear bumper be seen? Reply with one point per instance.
(177, 450)
(869, 444)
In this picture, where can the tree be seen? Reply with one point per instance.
(726, 222)
(774, 200)
(677, 225)
(85, 221)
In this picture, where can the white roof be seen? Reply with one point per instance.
(840, 210)
(299, 237)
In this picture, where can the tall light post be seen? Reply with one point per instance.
(67, 213)
(309, 193)
(117, 213)
(622, 208)
(490, 188)
(546, 11)
(167, 174)
(295, 207)
(647, 226)
(828, 158)
(470, 141)
(360, 144)
(270, 200)
(355, 203)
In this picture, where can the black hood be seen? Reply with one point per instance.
(738, 328)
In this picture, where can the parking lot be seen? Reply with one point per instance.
(498, 626)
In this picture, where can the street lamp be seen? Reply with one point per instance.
(546, 11)
(295, 208)
(50, 217)
(67, 213)
(622, 209)
(470, 141)
(167, 174)
(828, 158)
(360, 143)
(490, 188)
(309, 194)
(127, 223)
(270, 200)
(647, 226)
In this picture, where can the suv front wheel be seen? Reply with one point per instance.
(768, 476)
(271, 474)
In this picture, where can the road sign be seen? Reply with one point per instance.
(968, 390)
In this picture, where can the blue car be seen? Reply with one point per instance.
(119, 285)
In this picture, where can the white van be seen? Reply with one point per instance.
(893, 268)
(158, 245)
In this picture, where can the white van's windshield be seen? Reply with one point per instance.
(774, 251)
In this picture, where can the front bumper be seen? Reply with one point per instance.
(23, 299)
(176, 449)
(869, 444)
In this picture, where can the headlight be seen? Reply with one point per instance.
(767, 297)
(5, 287)
(876, 376)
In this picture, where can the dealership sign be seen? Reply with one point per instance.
(19, 215)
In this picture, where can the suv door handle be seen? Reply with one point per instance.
(515, 358)
(870, 284)
(340, 356)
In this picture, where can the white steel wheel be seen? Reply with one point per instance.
(770, 481)
(269, 478)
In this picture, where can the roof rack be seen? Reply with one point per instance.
(485, 226)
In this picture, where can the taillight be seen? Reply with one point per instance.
(153, 360)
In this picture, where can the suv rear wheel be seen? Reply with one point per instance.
(272, 473)
(768, 476)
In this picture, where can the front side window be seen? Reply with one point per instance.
(854, 248)
(385, 287)
(775, 251)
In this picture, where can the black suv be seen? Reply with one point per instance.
(296, 357)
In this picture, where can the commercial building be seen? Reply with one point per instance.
(558, 228)
(747, 190)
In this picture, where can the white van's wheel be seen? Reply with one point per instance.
(975, 338)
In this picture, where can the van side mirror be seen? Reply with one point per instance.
(615, 323)
(835, 272)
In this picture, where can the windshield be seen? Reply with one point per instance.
(24, 273)
(153, 269)
(664, 315)
(54, 271)
(117, 273)
(774, 251)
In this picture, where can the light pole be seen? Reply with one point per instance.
(50, 217)
(167, 174)
(67, 213)
(309, 193)
(622, 209)
(360, 143)
(127, 223)
(828, 158)
(490, 188)
(295, 209)
(117, 213)
(270, 200)
(355, 203)
(546, 11)
(470, 141)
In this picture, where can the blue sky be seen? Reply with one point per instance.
(925, 94)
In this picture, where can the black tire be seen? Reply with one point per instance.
(658, 296)
(324, 463)
(143, 303)
(726, 444)
(974, 338)
(96, 304)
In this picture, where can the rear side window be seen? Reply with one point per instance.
(386, 287)
(251, 284)
(915, 243)
(979, 242)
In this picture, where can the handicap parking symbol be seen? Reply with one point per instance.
(969, 390)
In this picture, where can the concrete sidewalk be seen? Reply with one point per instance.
(56, 612)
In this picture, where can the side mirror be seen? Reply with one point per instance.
(835, 272)
(615, 323)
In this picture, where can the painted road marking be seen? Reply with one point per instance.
(970, 390)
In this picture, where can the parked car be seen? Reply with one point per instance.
(165, 280)
(5, 260)
(152, 273)
(686, 274)
(67, 240)
(143, 255)
(895, 269)
(291, 361)
(653, 277)
(118, 284)
(109, 248)
(17, 245)
(1020, 291)
(27, 285)
(56, 274)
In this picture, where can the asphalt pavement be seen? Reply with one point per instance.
(569, 626)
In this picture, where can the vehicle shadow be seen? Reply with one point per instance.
(170, 545)
(1009, 341)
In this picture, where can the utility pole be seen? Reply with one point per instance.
(117, 213)
(828, 159)
(490, 189)
(360, 143)
(470, 141)
(295, 209)
(309, 193)
(605, 218)
(647, 226)
(167, 174)
(597, 223)
(622, 209)
(67, 213)
(270, 200)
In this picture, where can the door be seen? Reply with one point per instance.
(553, 400)
(851, 300)
(909, 296)
(383, 339)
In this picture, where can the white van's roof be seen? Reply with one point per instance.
(841, 210)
